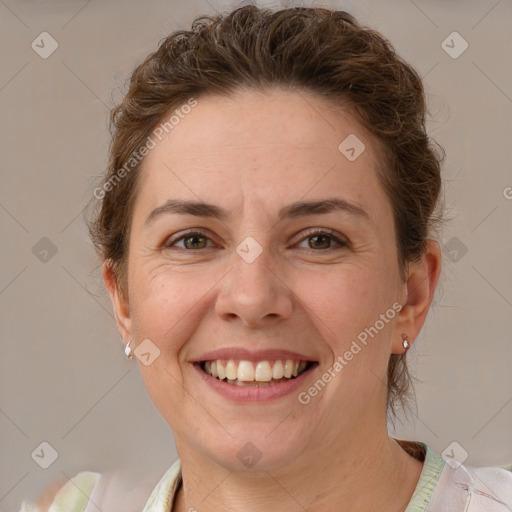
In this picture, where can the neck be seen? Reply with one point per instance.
(362, 477)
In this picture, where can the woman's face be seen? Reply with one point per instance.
(258, 280)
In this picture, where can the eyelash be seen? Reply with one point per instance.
(308, 234)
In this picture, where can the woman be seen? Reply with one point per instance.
(266, 226)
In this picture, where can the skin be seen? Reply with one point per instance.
(253, 153)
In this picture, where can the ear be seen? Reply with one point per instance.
(120, 304)
(419, 292)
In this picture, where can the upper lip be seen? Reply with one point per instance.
(239, 354)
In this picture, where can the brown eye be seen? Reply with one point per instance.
(320, 241)
(194, 244)
(191, 241)
(323, 240)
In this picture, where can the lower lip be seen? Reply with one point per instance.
(254, 394)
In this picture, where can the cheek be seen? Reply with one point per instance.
(346, 305)
(165, 313)
(166, 305)
(345, 300)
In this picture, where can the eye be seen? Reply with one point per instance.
(191, 239)
(322, 239)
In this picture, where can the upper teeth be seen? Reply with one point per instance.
(247, 371)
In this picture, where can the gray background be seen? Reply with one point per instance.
(64, 378)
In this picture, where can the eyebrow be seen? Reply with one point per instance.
(294, 210)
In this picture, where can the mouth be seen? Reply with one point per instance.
(265, 373)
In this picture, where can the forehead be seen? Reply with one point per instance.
(251, 117)
(271, 147)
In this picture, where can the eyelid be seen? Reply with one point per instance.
(188, 233)
(339, 239)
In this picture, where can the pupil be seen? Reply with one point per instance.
(316, 237)
(194, 238)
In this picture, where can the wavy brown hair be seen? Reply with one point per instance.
(323, 52)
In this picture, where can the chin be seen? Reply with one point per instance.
(254, 449)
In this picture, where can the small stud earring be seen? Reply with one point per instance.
(128, 351)
(405, 343)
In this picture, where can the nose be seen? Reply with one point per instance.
(256, 293)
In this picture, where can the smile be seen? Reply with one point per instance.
(247, 381)
(255, 374)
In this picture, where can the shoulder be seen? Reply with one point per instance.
(163, 493)
(72, 496)
(110, 491)
(472, 489)
(492, 482)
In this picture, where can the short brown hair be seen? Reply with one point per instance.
(324, 52)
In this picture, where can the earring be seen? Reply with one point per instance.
(128, 351)
(405, 343)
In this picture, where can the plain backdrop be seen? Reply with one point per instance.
(64, 378)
